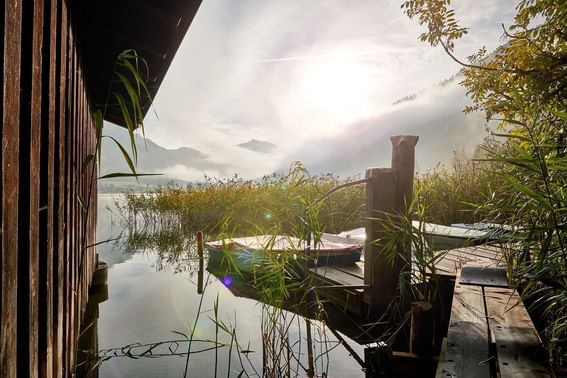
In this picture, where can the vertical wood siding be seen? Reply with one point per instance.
(46, 262)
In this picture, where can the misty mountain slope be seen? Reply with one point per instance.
(258, 146)
(435, 115)
(153, 158)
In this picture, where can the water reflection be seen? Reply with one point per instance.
(169, 313)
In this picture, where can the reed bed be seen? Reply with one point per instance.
(450, 193)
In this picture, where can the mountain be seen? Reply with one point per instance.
(258, 146)
(435, 115)
(179, 165)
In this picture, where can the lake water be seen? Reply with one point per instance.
(152, 298)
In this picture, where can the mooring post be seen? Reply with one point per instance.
(379, 274)
(201, 267)
(403, 161)
(422, 327)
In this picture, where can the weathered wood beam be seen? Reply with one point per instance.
(10, 185)
(379, 273)
(403, 161)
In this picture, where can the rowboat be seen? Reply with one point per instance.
(252, 253)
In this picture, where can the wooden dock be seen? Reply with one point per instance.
(490, 332)
(344, 284)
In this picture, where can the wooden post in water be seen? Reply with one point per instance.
(378, 273)
(200, 274)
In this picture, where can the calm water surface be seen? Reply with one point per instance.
(149, 299)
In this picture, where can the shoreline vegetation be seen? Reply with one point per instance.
(449, 193)
(166, 220)
(466, 190)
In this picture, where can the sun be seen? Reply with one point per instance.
(337, 88)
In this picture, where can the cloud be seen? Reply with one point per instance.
(435, 115)
(182, 172)
(291, 72)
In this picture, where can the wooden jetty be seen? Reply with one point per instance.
(345, 284)
(58, 58)
(490, 332)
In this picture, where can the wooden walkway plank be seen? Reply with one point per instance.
(355, 270)
(467, 353)
(336, 276)
(512, 331)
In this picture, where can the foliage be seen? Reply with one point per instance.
(243, 207)
(450, 193)
(523, 86)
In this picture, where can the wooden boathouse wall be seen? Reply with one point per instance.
(47, 131)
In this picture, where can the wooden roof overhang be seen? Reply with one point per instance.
(105, 28)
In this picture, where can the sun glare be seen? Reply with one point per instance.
(337, 88)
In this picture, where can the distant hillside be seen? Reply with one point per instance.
(258, 146)
(152, 158)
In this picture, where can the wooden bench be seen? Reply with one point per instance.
(490, 334)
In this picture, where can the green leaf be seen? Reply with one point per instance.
(121, 174)
(124, 154)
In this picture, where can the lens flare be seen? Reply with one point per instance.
(227, 281)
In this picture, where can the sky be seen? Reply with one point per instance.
(299, 73)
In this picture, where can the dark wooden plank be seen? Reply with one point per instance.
(516, 350)
(484, 276)
(10, 184)
(48, 164)
(33, 199)
(356, 269)
(512, 331)
(34, 170)
(59, 199)
(349, 299)
(70, 224)
(467, 351)
(68, 262)
(335, 276)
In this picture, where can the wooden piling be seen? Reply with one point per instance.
(403, 161)
(422, 324)
(388, 191)
(378, 272)
(200, 273)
